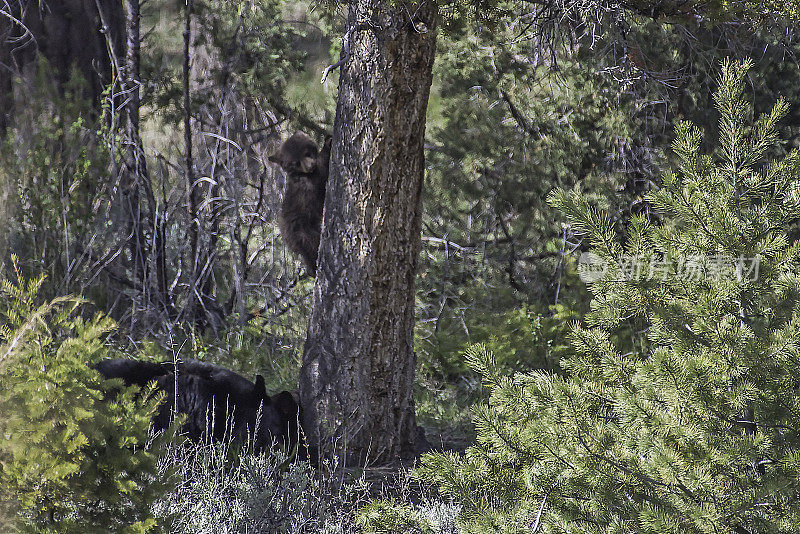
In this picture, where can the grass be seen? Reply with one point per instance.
(221, 491)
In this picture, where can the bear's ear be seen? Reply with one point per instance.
(260, 390)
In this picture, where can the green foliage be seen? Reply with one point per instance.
(518, 335)
(456, 16)
(518, 122)
(522, 338)
(515, 123)
(257, 54)
(757, 12)
(390, 517)
(697, 433)
(510, 136)
(250, 51)
(510, 133)
(54, 173)
(75, 457)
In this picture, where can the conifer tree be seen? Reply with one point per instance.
(698, 431)
(75, 454)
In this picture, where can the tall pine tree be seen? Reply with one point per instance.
(698, 432)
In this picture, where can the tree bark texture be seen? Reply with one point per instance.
(358, 365)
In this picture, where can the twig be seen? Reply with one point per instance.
(535, 526)
(345, 55)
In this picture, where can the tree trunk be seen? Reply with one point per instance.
(357, 375)
(201, 309)
(191, 309)
(137, 176)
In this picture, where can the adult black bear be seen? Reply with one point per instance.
(218, 403)
(300, 220)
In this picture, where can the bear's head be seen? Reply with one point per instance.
(297, 155)
(274, 418)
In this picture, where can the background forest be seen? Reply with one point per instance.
(138, 216)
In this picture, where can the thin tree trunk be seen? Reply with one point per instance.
(202, 309)
(192, 303)
(136, 166)
(358, 365)
(129, 179)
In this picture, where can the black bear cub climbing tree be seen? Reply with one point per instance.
(301, 211)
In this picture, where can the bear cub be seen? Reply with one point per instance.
(300, 220)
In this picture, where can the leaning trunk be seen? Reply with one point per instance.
(358, 365)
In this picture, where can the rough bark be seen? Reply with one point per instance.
(358, 364)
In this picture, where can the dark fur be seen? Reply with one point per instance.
(303, 201)
(218, 403)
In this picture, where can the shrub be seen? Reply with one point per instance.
(219, 492)
(697, 432)
(75, 457)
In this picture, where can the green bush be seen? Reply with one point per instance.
(53, 178)
(75, 456)
(389, 517)
(697, 431)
